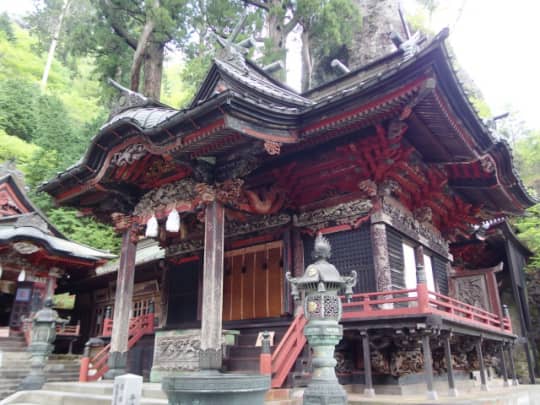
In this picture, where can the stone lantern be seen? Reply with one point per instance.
(320, 284)
(42, 337)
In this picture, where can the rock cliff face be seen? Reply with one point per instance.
(533, 292)
(379, 18)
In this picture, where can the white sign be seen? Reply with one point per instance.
(127, 390)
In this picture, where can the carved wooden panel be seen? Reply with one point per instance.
(472, 290)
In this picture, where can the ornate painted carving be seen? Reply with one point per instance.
(472, 290)
(129, 155)
(405, 362)
(411, 227)
(25, 248)
(344, 364)
(368, 187)
(423, 214)
(379, 362)
(388, 187)
(184, 246)
(255, 223)
(338, 214)
(272, 148)
(171, 194)
(487, 164)
(121, 221)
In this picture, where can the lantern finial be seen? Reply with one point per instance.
(322, 248)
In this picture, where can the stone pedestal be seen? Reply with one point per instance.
(40, 353)
(177, 351)
(324, 388)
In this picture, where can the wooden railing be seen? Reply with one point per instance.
(135, 324)
(420, 301)
(288, 350)
(93, 368)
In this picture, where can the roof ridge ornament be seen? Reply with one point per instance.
(234, 53)
(126, 98)
(410, 46)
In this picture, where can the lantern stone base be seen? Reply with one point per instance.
(324, 393)
(213, 388)
(40, 352)
(117, 365)
(32, 382)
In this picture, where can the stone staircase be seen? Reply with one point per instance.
(244, 357)
(100, 393)
(15, 365)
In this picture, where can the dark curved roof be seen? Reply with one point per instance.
(55, 245)
(144, 117)
(446, 126)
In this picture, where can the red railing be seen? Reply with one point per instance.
(92, 369)
(288, 350)
(420, 301)
(135, 324)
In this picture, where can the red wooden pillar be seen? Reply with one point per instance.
(212, 294)
(122, 307)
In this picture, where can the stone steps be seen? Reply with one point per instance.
(100, 393)
(45, 397)
(15, 366)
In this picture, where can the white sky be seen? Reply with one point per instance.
(497, 44)
(496, 41)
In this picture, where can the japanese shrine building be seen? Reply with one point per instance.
(34, 255)
(389, 161)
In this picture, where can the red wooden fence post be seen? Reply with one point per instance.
(423, 297)
(108, 315)
(85, 364)
(265, 358)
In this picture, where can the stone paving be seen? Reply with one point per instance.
(522, 395)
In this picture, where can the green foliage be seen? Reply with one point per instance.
(45, 133)
(481, 107)
(529, 232)
(15, 149)
(6, 28)
(18, 108)
(84, 229)
(527, 151)
(332, 23)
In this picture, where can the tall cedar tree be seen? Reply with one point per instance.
(325, 24)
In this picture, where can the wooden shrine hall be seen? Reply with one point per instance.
(390, 161)
(34, 255)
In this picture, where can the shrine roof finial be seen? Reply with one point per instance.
(232, 52)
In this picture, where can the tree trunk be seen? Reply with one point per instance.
(139, 54)
(153, 69)
(54, 42)
(307, 66)
(379, 19)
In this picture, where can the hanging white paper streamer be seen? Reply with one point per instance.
(173, 221)
(152, 227)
